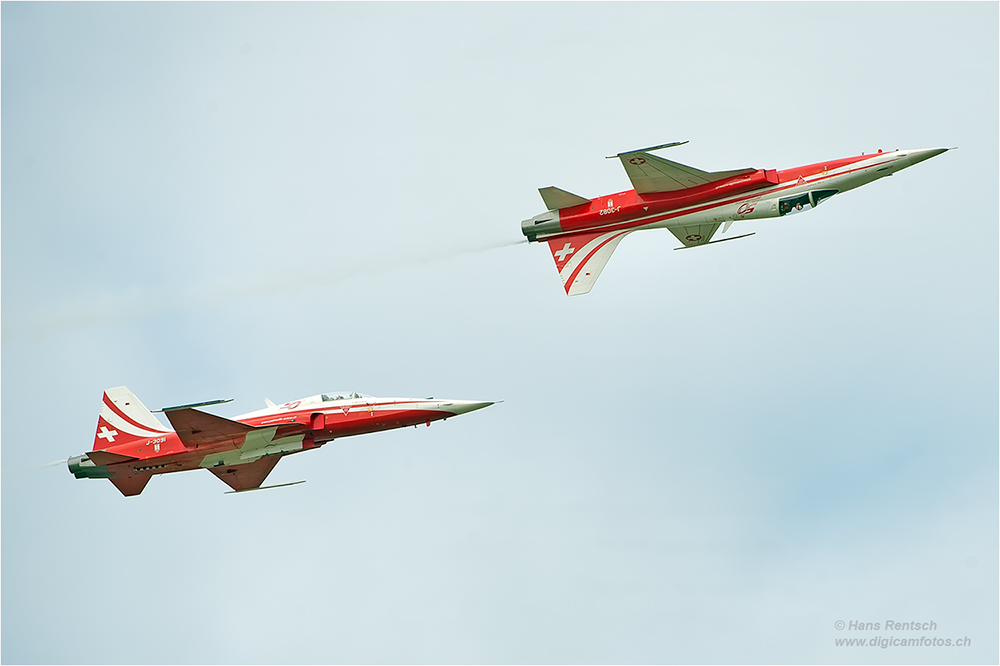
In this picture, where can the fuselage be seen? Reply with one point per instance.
(280, 430)
(761, 194)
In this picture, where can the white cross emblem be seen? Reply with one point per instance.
(107, 434)
(565, 252)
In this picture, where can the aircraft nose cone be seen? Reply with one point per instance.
(466, 406)
(915, 156)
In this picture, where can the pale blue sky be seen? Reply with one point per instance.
(712, 457)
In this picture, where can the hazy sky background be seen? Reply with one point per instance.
(713, 457)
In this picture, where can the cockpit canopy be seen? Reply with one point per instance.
(343, 395)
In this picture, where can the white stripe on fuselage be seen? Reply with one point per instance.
(354, 407)
(680, 217)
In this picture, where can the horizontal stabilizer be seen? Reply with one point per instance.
(555, 198)
(106, 458)
(199, 428)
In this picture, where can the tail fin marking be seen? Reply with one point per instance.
(580, 258)
(123, 419)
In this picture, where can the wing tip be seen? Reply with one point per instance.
(646, 150)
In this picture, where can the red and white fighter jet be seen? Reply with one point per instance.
(692, 204)
(131, 445)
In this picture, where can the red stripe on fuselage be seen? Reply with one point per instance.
(653, 218)
(627, 205)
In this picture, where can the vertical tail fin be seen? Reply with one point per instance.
(124, 419)
(580, 258)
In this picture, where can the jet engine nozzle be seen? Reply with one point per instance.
(541, 225)
(83, 467)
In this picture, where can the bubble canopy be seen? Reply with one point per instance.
(343, 395)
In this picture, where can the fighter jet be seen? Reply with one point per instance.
(131, 445)
(692, 204)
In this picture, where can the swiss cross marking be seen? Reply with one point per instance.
(107, 434)
(693, 238)
(566, 250)
(637, 161)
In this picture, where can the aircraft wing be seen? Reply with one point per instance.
(580, 258)
(196, 428)
(695, 234)
(650, 173)
(130, 484)
(247, 475)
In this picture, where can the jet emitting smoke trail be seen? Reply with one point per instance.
(139, 304)
(33, 468)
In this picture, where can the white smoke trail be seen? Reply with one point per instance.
(138, 303)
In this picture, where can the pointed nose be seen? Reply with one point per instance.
(915, 156)
(465, 406)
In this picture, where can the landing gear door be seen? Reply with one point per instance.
(816, 196)
(801, 202)
(793, 205)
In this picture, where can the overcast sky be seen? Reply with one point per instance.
(714, 456)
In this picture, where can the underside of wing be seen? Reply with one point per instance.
(131, 484)
(650, 173)
(695, 234)
(580, 258)
(197, 428)
(248, 475)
